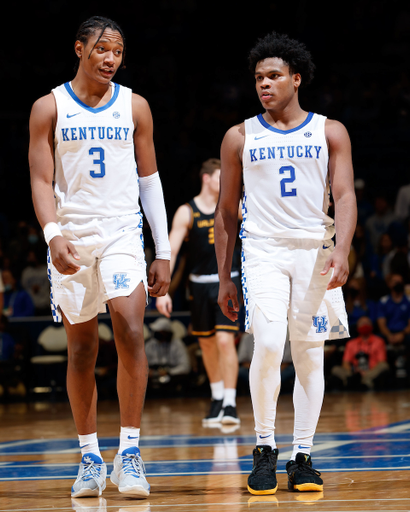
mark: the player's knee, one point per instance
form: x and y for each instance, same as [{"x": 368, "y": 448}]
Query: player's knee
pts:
[
  {"x": 225, "y": 341},
  {"x": 131, "y": 339},
  {"x": 83, "y": 353}
]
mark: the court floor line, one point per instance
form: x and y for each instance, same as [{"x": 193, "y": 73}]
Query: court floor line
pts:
[
  {"x": 213, "y": 441},
  {"x": 207, "y": 505}
]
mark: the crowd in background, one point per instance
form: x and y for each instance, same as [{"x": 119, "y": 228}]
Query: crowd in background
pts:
[{"x": 198, "y": 86}]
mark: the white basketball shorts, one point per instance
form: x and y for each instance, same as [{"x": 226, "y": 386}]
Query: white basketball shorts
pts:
[
  {"x": 112, "y": 265},
  {"x": 282, "y": 277}
]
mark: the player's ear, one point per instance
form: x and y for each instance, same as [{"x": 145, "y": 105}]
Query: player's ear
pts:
[
  {"x": 79, "y": 49},
  {"x": 297, "y": 80}
]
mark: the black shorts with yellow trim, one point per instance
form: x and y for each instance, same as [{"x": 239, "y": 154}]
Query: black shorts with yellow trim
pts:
[{"x": 206, "y": 315}]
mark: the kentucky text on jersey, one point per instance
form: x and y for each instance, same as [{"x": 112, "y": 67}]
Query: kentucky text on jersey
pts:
[
  {"x": 281, "y": 152},
  {"x": 94, "y": 133}
]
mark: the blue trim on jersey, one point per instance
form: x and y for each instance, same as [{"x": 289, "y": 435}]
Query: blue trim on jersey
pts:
[
  {"x": 284, "y": 132},
  {"x": 91, "y": 109}
]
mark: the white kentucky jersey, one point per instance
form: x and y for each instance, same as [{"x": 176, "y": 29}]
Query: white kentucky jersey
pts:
[
  {"x": 95, "y": 167},
  {"x": 286, "y": 184}
]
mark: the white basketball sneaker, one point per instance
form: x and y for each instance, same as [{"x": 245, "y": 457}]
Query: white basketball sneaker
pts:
[
  {"x": 91, "y": 477},
  {"x": 129, "y": 473}
]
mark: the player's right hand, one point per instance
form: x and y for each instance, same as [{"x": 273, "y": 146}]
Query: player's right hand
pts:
[
  {"x": 63, "y": 256},
  {"x": 228, "y": 293},
  {"x": 164, "y": 305}
]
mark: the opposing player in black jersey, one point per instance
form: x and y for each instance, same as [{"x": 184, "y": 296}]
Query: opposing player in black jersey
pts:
[{"x": 194, "y": 223}]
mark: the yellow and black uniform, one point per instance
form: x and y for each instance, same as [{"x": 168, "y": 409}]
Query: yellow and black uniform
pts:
[{"x": 206, "y": 315}]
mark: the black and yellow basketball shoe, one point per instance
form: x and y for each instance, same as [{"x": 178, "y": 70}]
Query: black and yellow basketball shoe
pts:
[
  {"x": 262, "y": 480},
  {"x": 302, "y": 477}
]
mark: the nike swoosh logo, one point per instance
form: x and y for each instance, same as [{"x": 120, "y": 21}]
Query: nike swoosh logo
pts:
[
  {"x": 81, "y": 447},
  {"x": 263, "y": 136},
  {"x": 72, "y": 115},
  {"x": 326, "y": 246},
  {"x": 301, "y": 447},
  {"x": 264, "y": 437},
  {"x": 129, "y": 437}
]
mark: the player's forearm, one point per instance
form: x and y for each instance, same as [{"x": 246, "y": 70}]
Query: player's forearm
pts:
[
  {"x": 225, "y": 236},
  {"x": 345, "y": 221},
  {"x": 43, "y": 202}
]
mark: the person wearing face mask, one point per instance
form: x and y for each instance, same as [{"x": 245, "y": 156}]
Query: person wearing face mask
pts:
[
  {"x": 364, "y": 360},
  {"x": 168, "y": 358},
  {"x": 17, "y": 302},
  {"x": 34, "y": 279},
  {"x": 393, "y": 319}
]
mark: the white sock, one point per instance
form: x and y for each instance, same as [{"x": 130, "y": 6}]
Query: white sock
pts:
[
  {"x": 229, "y": 397},
  {"x": 299, "y": 448},
  {"x": 89, "y": 444},
  {"x": 217, "y": 390},
  {"x": 129, "y": 437},
  {"x": 268, "y": 440}
]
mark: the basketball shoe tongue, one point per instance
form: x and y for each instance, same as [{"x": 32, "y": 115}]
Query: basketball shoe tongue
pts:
[{"x": 87, "y": 458}]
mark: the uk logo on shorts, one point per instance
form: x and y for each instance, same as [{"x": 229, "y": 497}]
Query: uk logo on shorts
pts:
[
  {"x": 120, "y": 280},
  {"x": 320, "y": 322}
]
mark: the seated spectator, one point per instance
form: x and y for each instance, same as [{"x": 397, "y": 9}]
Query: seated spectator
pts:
[
  {"x": 393, "y": 318},
  {"x": 380, "y": 221},
  {"x": 8, "y": 360},
  {"x": 34, "y": 280},
  {"x": 168, "y": 359},
  {"x": 364, "y": 360},
  {"x": 356, "y": 303},
  {"x": 17, "y": 302},
  {"x": 376, "y": 279},
  {"x": 7, "y": 343}
]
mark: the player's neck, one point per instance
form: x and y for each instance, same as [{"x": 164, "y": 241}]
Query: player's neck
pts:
[
  {"x": 286, "y": 119},
  {"x": 91, "y": 92},
  {"x": 206, "y": 202}
]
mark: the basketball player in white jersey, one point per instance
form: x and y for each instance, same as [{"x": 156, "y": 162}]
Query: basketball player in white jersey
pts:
[
  {"x": 91, "y": 158},
  {"x": 285, "y": 161}
]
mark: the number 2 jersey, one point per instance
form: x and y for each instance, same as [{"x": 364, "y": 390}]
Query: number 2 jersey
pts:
[
  {"x": 286, "y": 184},
  {"x": 95, "y": 167}
]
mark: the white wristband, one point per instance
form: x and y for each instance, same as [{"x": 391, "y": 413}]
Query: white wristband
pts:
[{"x": 50, "y": 231}]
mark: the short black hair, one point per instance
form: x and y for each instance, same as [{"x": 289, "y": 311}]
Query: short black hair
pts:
[
  {"x": 89, "y": 27},
  {"x": 291, "y": 51}
]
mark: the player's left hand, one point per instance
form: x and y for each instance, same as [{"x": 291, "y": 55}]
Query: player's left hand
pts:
[
  {"x": 339, "y": 262},
  {"x": 159, "y": 278}
]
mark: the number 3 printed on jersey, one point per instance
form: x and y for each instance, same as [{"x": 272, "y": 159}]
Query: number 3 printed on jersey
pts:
[
  {"x": 287, "y": 192},
  {"x": 98, "y": 161}
]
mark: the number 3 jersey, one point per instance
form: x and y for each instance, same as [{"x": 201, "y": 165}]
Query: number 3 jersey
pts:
[
  {"x": 286, "y": 184},
  {"x": 95, "y": 167}
]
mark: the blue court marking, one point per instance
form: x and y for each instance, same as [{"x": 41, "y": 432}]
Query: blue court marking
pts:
[{"x": 384, "y": 448}]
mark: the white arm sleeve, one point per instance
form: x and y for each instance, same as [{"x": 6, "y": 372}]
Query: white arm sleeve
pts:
[{"x": 152, "y": 200}]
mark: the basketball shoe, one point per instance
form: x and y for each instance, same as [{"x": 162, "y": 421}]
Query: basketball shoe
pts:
[
  {"x": 215, "y": 412},
  {"x": 230, "y": 415},
  {"x": 129, "y": 473},
  {"x": 301, "y": 475},
  {"x": 91, "y": 477},
  {"x": 262, "y": 480}
]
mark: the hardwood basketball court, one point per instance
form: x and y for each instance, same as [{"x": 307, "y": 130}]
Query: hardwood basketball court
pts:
[{"x": 361, "y": 447}]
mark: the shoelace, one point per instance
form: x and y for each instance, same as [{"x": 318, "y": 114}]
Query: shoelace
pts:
[
  {"x": 92, "y": 470},
  {"x": 133, "y": 464},
  {"x": 302, "y": 466},
  {"x": 265, "y": 463}
]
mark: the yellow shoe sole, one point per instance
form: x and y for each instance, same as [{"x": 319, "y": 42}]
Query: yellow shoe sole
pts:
[
  {"x": 262, "y": 493},
  {"x": 308, "y": 487}
]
